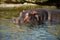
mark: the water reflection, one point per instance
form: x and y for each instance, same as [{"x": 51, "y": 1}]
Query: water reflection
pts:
[{"x": 11, "y": 33}]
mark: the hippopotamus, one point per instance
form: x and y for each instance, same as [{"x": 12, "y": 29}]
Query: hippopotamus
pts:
[{"x": 35, "y": 17}]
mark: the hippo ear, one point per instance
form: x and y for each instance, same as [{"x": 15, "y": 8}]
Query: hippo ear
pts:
[
  {"x": 20, "y": 14},
  {"x": 23, "y": 10}
]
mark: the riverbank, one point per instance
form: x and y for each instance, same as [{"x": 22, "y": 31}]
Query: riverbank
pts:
[
  {"x": 12, "y": 10},
  {"x": 25, "y": 4}
]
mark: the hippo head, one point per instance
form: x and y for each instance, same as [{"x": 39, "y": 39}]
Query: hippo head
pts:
[
  {"x": 34, "y": 17},
  {"x": 29, "y": 16}
]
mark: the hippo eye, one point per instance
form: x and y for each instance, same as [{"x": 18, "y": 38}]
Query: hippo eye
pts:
[{"x": 29, "y": 14}]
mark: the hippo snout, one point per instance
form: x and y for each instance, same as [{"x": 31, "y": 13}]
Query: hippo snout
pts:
[{"x": 16, "y": 20}]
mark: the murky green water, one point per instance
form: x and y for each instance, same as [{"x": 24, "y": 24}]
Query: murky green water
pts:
[{"x": 9, "y": 31}]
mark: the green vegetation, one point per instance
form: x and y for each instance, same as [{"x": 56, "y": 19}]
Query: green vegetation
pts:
[
  {"x": 21, "y": 1},
  {"x": 39, "y": 2},
  {"x": 14, "y": 11}
]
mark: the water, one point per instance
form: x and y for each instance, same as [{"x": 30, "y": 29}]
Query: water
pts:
[{"x": 12, "y": 33}]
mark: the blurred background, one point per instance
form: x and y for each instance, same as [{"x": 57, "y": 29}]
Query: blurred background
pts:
[
  {"x": 10, "y": 9},
  {"x": 39, "y": 2},
  {"x": 15, "y": 6}
]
